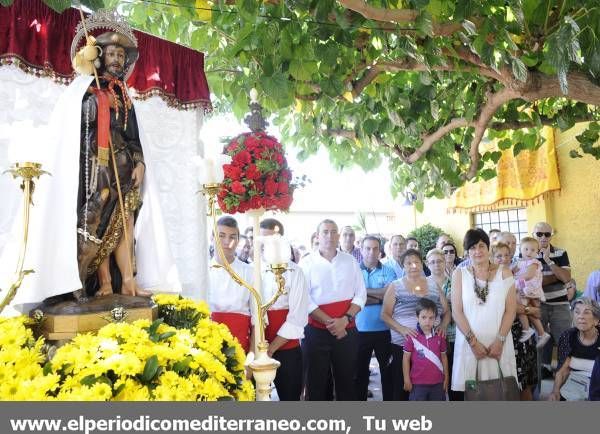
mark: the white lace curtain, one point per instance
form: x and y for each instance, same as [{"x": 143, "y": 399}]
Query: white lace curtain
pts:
[{"x": 174, "y": 138}]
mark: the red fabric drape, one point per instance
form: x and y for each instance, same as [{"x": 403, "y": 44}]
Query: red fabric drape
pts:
[{"x": 41, "y": 38}]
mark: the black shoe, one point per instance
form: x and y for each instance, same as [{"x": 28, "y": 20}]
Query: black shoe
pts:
[{"x": 369, "y": 394}]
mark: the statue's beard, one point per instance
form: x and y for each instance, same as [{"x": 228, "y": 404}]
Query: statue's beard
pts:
[{"x": 117, "y": 73}]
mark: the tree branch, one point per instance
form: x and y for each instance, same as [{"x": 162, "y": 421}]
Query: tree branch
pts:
[
  {"x": 581, "y": 88},
  {"x": 538, "y": 86},
  {"x": 347, "y": 134},
  {"x": 397, "y": 16},
  {"x": 504, "y": 76},
  {"x": 430, "y": 139},
  {"x": 410, "y": 65},
  {"x": 494, "y": 101}
]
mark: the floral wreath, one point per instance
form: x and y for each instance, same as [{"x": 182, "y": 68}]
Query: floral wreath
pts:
[{"x": 258, "y": 175}]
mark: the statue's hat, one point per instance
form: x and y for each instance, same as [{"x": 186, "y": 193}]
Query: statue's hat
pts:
[{"x": 108, "y": 28}]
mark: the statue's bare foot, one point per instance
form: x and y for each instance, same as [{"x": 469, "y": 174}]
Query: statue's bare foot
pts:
[
  {"x": 105, "y": 289},
  {"x": 131, "y": 288}
]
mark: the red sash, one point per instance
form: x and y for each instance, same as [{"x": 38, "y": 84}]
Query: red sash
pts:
[
  {"x": 276, "y": 320},
  {"x": 238, "y": 324},
  {"x": 334, "y": 310},
  {"x": 103, "y": 125}
]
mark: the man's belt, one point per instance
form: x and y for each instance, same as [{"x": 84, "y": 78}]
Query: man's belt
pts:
[
  {"x": 334, "y": 310},
  {"x": 276, "y": 319}
]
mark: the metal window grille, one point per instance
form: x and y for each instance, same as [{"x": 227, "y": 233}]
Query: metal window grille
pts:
[{"x": 512, "y": 220}]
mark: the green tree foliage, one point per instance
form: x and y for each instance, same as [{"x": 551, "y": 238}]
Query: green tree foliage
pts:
[
  {"x": 427, "y": 236},
  {"x": 419, "y": 82}
]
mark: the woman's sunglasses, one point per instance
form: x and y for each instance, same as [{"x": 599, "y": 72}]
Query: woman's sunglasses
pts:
[{"x": 448, "y": 252}]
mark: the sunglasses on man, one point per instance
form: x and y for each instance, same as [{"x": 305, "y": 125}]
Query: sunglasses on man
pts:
[{"x": 543, "y": 234}]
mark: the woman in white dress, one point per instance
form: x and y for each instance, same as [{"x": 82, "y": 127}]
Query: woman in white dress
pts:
[{"x": 483, "y": 308}]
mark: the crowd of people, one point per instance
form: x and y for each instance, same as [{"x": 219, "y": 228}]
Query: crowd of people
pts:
[{"x": 434, "y": 321}]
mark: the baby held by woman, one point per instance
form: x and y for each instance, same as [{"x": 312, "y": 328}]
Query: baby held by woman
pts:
[{"x": 528, "y": 283}]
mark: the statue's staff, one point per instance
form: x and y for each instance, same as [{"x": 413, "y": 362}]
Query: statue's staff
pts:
[{"x": 112, "y": 152}]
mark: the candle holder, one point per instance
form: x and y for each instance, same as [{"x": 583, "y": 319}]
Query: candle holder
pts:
[
  {"x": 28, "y": 172},
  {"x": 210, "y": 192},
  {"x": 264, "y": 368}
]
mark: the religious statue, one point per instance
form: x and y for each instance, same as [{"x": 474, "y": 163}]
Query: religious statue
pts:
[
  {"x": 109, "y": 191},
  {"x": 88, "y": 217}
]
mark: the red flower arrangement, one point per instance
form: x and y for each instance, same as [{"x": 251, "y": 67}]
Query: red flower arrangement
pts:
[{"x": 258, "y": 176}]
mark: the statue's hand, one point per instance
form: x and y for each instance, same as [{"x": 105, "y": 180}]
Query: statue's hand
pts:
[{"x": 137, "y": 176}]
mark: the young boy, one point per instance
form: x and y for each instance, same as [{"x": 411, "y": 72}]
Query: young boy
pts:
[{"x": 425, "y": 363}]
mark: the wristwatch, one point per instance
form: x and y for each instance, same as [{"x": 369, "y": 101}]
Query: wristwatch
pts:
[
  {"x": 501, "y": 338},
  {"x": 550, "y": 263},
  {"x": 349, "y": 316}
]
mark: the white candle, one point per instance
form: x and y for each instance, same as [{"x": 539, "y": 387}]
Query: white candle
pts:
[
  {"x": 208, "y": 167},
  {"x": 221, "y": 160},
  {"x": 211, "y": 168},
  {"x": 253, "y": 95},
  {"x": 25, "y": 143},
  {"x": 277, "y": 249}
]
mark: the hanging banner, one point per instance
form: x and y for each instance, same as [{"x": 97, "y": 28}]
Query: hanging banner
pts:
[{"x": 521, "y": 180}]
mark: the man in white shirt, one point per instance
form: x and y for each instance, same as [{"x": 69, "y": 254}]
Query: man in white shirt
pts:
[
  {"x": 287, "y": 318},
  {"x": 336, "y": 294},
  {"x": 229, "y": 302}
]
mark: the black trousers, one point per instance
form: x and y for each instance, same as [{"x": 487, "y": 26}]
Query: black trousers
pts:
[
  {"x": 399, "y": 394},
  {"x": 288, "y": 380},
  {"x": 367, "y": 343},
  {"x": 324, "y": 354}
]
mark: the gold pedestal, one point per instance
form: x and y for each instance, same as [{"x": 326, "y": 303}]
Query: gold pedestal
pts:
[
  {"x": 58, "y": 327},
  {"x": 66, "y": 319}
]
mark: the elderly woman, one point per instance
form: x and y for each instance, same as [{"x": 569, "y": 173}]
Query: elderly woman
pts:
[
  {"x": 450, "y": 257},
  {"x": 399, "y": 312},
  {"x": 578, "y": 348},
  {"x": 483, "y": 307}
]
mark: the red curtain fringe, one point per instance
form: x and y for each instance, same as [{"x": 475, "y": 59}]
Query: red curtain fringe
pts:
[{"x": 38, "y": 40}]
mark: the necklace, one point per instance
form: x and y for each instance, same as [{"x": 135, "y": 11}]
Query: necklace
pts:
[
  {"x": 480, "y": 292},
  {"x": 416, "y": 289}
]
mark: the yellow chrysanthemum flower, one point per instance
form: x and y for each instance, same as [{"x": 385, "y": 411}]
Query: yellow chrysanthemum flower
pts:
[{"x": 123, "y": 361}]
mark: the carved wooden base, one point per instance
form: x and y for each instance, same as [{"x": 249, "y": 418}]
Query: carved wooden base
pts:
[{"x": 66, "y": 319}]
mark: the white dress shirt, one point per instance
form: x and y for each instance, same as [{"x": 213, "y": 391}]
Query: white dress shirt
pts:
[
  {"x": 295, "y": 299},
  {"x": 225, "y": 295},
  {"x": 330, "y": 282}
]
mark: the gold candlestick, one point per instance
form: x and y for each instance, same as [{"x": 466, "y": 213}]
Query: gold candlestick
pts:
[
  {"x": 264, "y": 368},
  {"x": 28, "y": 172}
]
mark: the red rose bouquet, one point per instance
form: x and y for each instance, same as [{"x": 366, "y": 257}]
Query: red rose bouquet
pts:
[{"x": 258, "y": 176}]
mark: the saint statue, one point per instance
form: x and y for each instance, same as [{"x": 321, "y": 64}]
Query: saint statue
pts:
[
  {"x": 108, "y": 199},
  {"x": 101, "y": 203}
]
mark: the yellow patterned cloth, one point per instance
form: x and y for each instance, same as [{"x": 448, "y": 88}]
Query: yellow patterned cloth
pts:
[{"x": 520, "y": 181}]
